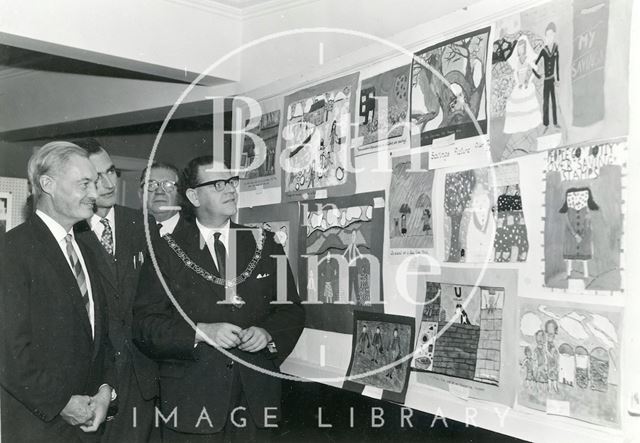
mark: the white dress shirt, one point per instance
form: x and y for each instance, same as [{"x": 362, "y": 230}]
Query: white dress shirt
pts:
[
  {"x": 60, "y": 235},
  {"x": 206, "y": 237},
  {"x": 98, "y": 228},
  {"x": 169, "y": 224}
]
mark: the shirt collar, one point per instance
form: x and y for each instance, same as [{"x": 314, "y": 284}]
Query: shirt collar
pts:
[
  {"x": 56, "y": 228},
  {"x": 171, "y": 222},
  {"x": 207, "y": 233},
  {"x": 95, "y": 219}
]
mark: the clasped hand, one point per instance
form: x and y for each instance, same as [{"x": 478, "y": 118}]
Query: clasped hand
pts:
[
  {"x": 87, "y": 412},
  {"x": 228, "y": 336}
]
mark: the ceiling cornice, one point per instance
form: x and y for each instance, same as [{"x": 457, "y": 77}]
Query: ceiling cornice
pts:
[{"x": 241, "y": 9}]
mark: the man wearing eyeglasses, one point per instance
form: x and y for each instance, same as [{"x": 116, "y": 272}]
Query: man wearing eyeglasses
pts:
[
  {"x": 162, "y": 196},
  {"x": 117, "y": 237},
  {"x": 225, "y": 279}
]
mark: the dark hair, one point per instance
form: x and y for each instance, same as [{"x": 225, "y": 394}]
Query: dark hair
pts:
[
  {"x": 160, "y": 165},
  {"x": 590, "y": 202},
  {"x": 551, "y": 26},
  {"x": 189, "y": 180},
  {"x": 91, "y": 145},
  {"x": 190, "y": 173},
  {"x": 551, "y": 323}
]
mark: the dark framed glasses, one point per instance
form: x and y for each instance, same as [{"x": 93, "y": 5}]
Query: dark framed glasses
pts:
[
  {"x": 220, "y": 185},
  {"x": 166, "y": 185}
]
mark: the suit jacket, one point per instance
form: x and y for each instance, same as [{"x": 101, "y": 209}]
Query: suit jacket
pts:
[
  {"x": 195, "y": 377},
  {"x": 120, "y": 274},
  {"x": 47, "y": 350}
]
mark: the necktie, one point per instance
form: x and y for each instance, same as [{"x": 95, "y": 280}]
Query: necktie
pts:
[
  {"x": 107, "y": 236},
  {"x": 78, "y": 273},
  {"x": 221, "y": 254}
]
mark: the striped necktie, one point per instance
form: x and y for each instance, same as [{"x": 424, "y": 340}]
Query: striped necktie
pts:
[
  {"x": 78, "y": 273},
  {"x": 107, "y": 236}
]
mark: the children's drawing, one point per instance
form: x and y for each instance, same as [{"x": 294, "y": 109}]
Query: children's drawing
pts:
[
  {"x": 380, "y": 349},
  {"x": 341, "y": 265},
  {"x": 267, "y": 130},
  {"x": 583, "y": 222},
  {"x": 461, "y": 331},
  {"x": 554, "y": 78},
  {"x": 450, "y": 98},
  {"x": 280, "y": 231},
  {"x": 569, "y": 361},
  {"x": 317, "y": 136},
  {"x": 484, "y": 220},
  {"x": 384, "y": 105},
  {"x": 410, "y": 204},
  {"x": 282, "y": 220}
]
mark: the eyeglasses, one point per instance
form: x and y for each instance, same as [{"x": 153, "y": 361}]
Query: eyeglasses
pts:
[
  {"x": 220, "y": 185},
  {"x": 166, "y": 185}
]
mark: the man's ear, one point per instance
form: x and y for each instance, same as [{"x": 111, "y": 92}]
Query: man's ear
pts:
[
  {"x": 47, "y": 184},
  {"x": 192, "y": 195}
]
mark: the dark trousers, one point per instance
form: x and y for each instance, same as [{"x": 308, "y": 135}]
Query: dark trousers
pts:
[
  {"x": 231, "y": 433},
  {"x": 127, "y": 426},
  {"x": 549, "y": 93}
]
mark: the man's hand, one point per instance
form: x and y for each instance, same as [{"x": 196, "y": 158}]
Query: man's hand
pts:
[
  {"x": 254, "y": 339},
  {"x": 78, "y": 410},
  {"x": 225, "y": 335},
  {"x": 99, "y": 404}
]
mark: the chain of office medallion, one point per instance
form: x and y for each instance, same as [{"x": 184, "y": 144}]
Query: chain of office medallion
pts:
[{"x": 212, "y": 278}]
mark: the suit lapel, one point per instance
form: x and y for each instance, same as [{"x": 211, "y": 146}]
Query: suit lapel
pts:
[
  {"x": 107, "y": 265},
  {"x": 97, "y": 293},
  {"x": 243, "y": 248},
  {"x": 51, "y": 251},
  {"x": 124, "y": 254}
]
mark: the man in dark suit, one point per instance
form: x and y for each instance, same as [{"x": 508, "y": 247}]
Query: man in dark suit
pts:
[
  {"x": 56, "y": 360},
  {"x": 219, "y": 376},
  {"x": 162, "y": 196},
  {"x": 117, "y": 237}
]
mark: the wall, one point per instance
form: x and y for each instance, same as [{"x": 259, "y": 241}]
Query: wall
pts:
[{"x": 300, "y": 53}]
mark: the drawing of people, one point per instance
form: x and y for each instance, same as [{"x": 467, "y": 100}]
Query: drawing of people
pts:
[
  {"x": 396, "y": 227},
  {"x": 395, "y": 354},
  {"x": 553, "y": 356},
  {"x": 363, "y": 286},
  {"x": 577, "y": 208},
  {"x": 403, "y": 225},
  {"x": 481, "y": 226},
  {"x": 510, "y": 231},
  {"x": 522, "y": 112},
  {"x": 540, "y": 359},
  {"x": 364, "y": 340},
  {"x": 551, "y": 57},
  {"x": 334, "y": 138},
  {"x": 462, "y": 315},
  {"x": 426, "y": 221},
  {"x": 376, "y": 342},
  {"x": 527, "y": 364}
]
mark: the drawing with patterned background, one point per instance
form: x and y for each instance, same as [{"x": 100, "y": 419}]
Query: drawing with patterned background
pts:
[{"x": 484, "y": 216}]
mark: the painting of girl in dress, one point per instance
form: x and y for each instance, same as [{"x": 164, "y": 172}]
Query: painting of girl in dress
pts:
[
  {"x": 583, "y": 219},
  {"x": 522, "y": 111},
  {"x": 577, "y": 209}
]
